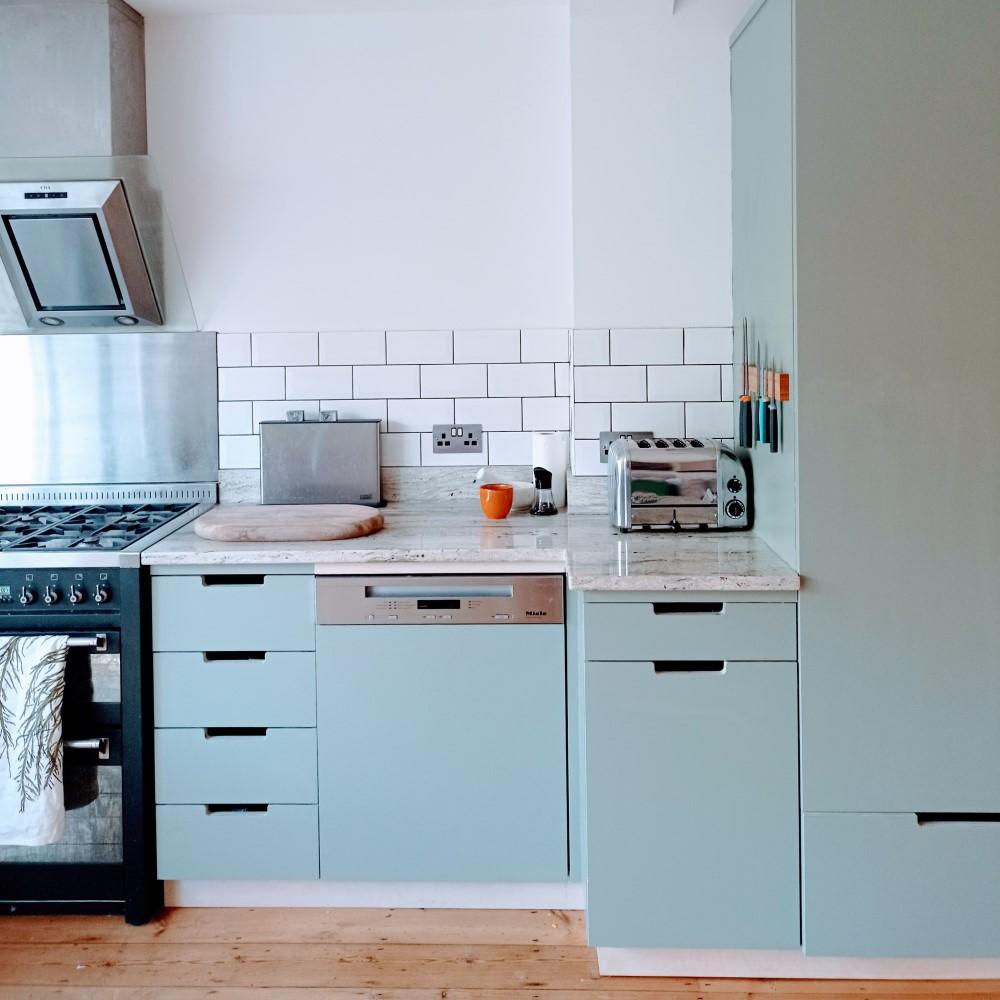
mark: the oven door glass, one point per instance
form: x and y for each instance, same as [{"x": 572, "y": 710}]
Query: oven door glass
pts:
[{"x": 92, "y": 787}]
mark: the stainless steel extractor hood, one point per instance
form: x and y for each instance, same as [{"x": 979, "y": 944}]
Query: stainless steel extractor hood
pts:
[{"x": 73, "y": 256}]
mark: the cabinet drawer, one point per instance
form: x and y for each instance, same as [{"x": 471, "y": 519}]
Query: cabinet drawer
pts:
[
  {"x": 668, "y": 630},
  {"x": 884, "y": 884},
  {"x": 253, "y": 689},
  {"x": 250, "y": 611},
  {"x": 197, "y": 842},
  {"x": 692, "y": 806},
  {"x": 274, "y": 766}
]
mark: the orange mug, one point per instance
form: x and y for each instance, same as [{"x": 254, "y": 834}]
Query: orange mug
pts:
[{"x": 496, "y": 499}]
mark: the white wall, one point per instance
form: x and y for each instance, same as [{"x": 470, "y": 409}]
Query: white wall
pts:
[
  {"x": 399, "y": 168},
  {"x": 651, "y": 161}
]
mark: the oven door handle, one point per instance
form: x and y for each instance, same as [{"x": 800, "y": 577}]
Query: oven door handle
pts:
[
  {"x": 98, "y": 643},
  {"x": 101, "y": 744}
]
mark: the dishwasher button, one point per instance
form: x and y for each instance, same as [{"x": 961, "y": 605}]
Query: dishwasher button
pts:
[
  {"x": 446, "y": 618},
  {"x": 430, "y": 618},
  {"x": 393, "y": 618},
  {"x": 371, "y": 618},
  {"x": 501, "y": 618}
]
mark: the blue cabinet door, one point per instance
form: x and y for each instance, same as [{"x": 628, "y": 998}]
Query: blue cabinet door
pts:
[
  {"x": 442, "y": 752},
  {"x": 692, "y": 805}
]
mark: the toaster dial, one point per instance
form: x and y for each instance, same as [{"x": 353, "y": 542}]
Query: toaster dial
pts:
[
  {"x": 734, "y": 485},
  {"x": 735, "y": 508}
]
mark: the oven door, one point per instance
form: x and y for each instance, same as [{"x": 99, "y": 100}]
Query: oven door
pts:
[{"x": 86, "y": 864}]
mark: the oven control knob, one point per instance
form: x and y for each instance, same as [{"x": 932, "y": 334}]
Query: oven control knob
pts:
[
  {"x": 735, "y": 509},
  {"x": 28, "y": 595},
  {"x": 77, "y": 595},
  {"x": 52, "y": 595},
  {"x": 102, "y": 593}
]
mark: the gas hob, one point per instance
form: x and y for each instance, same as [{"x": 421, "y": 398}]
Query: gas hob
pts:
[{"x": 106, "y": 534}]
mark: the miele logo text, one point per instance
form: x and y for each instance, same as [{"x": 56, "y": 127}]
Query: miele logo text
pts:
[{"x": 536, "y": 614}]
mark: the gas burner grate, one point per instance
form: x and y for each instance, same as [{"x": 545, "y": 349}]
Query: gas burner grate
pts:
[{"x": 107, "y": 527}]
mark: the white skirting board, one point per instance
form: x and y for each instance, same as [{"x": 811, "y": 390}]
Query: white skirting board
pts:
[
  {"x": 718, "y": 964},
  {"x": 382, "y": 895}
]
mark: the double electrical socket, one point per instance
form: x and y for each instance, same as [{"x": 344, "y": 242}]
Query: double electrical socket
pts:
[
  {"x": 451, "y": 438},
  {"x": 609, "y": 437}
]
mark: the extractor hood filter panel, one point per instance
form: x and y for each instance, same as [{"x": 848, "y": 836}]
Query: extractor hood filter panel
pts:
[{"x": 73, "y": 255}]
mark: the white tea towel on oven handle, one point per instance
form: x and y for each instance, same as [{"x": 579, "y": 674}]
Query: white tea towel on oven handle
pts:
[{"x": 32, "y": 678}]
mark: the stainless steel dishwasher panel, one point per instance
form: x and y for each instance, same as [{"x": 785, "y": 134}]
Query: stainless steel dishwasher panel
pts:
[{"x": 440, "y": 600}]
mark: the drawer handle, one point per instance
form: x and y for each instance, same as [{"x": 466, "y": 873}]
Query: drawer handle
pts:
[
  {"x": 688, "y": 608},
  {"x": 926, "y": 819},
  {"x": 689, "y": 666},
  {"x": 232, "y": 655},
  {"x": 214, "y": 732},
  {"x": 233, "y": 580},
  {"x": 244, "y": 807}
]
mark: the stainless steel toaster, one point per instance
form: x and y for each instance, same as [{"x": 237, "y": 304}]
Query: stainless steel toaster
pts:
[
  {"x": 679, "y": 483},
  {"x": 320, "y": 461}
]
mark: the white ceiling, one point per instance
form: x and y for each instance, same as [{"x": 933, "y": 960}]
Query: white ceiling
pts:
[{"x": 155, "y": 8}]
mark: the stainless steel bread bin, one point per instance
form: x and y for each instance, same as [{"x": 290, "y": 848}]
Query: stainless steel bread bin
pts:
[{"x": 326, "y": 461}]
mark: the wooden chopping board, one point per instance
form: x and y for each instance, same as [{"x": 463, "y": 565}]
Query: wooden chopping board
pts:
[{"x": 288, "y": 522}]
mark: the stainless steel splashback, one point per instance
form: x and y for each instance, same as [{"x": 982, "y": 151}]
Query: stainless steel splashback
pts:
[{"x": 95, "y": 408}]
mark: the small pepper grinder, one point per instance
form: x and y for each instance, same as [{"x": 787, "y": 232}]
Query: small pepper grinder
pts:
[{"x": 545, "y": 503}]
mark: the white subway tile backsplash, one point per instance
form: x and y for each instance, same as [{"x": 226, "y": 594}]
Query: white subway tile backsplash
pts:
[
  {"x": 400, "y": 449},
  {"x": 611, "y": 383},
  {"x": 387, "y": 382},
  {"x": 496, "y": 414},
  {"x": 709, "y": 419},
  {"x": 251, "y": 383},
  {"x": 277, "y": 409},
  {"x": 460, "y": 457},
  {"x": 363, "y": 347},
  {"x": 452, "y": 380},
  {"x": 233, "y": 350},
  {"x": 513, "y": 382},
  {"x": 591, "y": 347},
  {"x": 419, "y": 414},
  {"x": 708, "y": 346},
  {"x": 485, "y": 346},
  {"x": 319, "y": 380},
  {"x": 564, "y": 380},
  {"x": 647, "y": 347},
  {"x": 591, "y": 419},
  {"x": 587, "y": 458},
  {"x": 284, "y": 349},
  {"x": 546, "y": 413},
  {"x": 236, "y": 418},
  {"x": 521, "y": 380},
  {"x": 239, "y": 451},
  {"x": 545, "y": 345},
  {"x": 510, "y": 448},
  {"x": 357, "y": 409},
  {"x": 418, "y": 347},
  {"x": 664, "y": 419},
  {"x": 685, "y": 382}
]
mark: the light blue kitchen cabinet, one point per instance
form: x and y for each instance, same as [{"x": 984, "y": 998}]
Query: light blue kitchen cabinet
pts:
[
  {"x": 899, "y": 884},
  {"x": 442, "y": 752},
  {"x": 252, "y": 610},
  {"x": 247, "y": 842},
  {"x": 692, "y": 804},
  {"x": 235, "y": 766},
  {"x": 234, "y": 700},
  {"x": 234, "y": 689}
]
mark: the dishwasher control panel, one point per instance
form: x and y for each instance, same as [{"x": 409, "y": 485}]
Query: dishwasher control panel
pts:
[{"x": 440, "y": 600}]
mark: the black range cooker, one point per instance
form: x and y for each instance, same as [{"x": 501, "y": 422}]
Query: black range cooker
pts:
[{"x": 74, "y": 570}]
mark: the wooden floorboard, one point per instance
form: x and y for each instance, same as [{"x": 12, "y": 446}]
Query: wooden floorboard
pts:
[{"x": 237, "y": 954}]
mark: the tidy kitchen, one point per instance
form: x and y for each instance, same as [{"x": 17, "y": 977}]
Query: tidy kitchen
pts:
[{"x": 499, "y": 495}]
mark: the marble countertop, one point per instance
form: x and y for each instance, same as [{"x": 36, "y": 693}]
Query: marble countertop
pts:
[{"x": 457, "y": 538}]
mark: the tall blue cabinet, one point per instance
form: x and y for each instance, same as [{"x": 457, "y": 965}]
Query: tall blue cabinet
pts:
[{"x": 866, "y": 139}]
